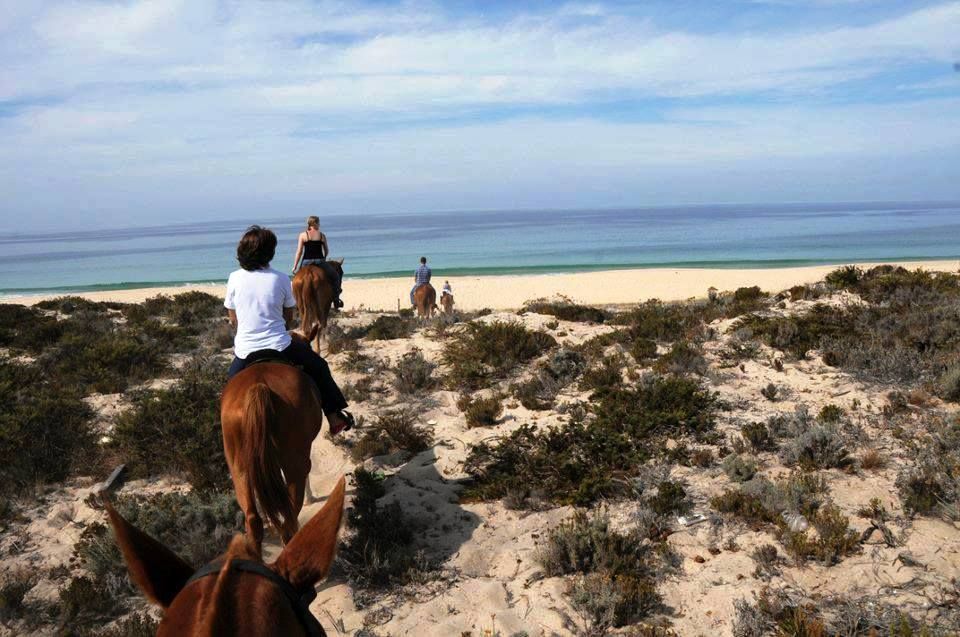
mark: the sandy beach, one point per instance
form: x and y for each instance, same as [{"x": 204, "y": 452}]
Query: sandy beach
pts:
[{"x": 609, "y": 287}]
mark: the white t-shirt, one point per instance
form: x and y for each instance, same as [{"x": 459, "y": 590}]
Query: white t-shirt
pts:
[{"x": 258, "y": 297}]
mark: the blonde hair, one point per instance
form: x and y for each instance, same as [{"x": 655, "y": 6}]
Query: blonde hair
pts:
[{"x": 313, "y": 221}]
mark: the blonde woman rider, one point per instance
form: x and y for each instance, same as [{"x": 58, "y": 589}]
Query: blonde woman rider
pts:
[{"x": 312, "y": 249}]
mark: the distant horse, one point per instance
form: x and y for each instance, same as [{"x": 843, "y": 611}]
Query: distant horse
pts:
[
  {"x": 446, "y": 300},
  {"x": 425, "y": 299},
  {"x": 270, "y": 414},
  {"x": 313, "y": 291},
  {"x": 237, "y": 594}
]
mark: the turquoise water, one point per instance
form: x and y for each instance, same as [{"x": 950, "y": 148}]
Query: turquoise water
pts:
[{"x": 495, "y": 242}]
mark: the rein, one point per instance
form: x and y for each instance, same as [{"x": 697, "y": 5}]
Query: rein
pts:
[{"x": 300, "y": 603}]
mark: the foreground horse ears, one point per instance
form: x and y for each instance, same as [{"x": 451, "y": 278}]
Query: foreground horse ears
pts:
[
  {"x": 308, "y": 556},
  {"x": 155, "y": 569}
]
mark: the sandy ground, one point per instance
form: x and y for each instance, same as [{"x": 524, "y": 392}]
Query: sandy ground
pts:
[{"x": 609, "y": 287}]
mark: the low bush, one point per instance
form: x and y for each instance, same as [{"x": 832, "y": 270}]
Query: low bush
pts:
[
  {"x": 833, "y": 540},
  {"x": 671, "y": 498},
  {"x": 71, "y": 304},
  {"x": 413, "y": 373},
  {"x": 480, "y": 411},
  {"x": 643, "y": 350},
  {"x": 845, "y": 277},
  {"x": 485, "y": 351},
  {"x": 617, "y": 572},
  {"x": 767, "y": 560},
  {"x": 948, "y": 385},
  {"x": 14, "y": 585},
  {"x": 658, "y": 321},
  {"x": 107, "y": 362},
  {"x": 820, "y": 447},
  {"x": 550, "y": 377},
  {"x": 177, "y": 430},
  {"x": 799, "y": 333},
  {"x": 758, "y": 437},
  {"x": 683, "y": 358},
  {"x": 392, "y": 431},
  {"x": 931, "y": 484},
  {"x": 761, "y": 502},
  {"x": 380, "y": 551},
  {"x": 606, "y": 375},
  {"x": 45, "y": 428},
  {"x": 830, "y": 414},
  {"x": 872, "y": 460},
  {"x": 191, "y": 311},
  {"x": 770, "y": 392},
  {"x": 581, "y": 461},
  {"x": 384, "y": 328},
  {"x": 566, "y": 310},
  {"x": 739, "y": 468},
  {"x": 27, "y": 329}
]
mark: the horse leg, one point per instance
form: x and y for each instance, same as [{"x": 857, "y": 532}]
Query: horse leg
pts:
[
  {"x": 248, "y": 504},
  {"x": 297, "y": 485}
]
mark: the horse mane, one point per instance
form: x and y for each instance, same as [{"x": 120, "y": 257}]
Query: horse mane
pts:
[{"x": 220, "y": 606}]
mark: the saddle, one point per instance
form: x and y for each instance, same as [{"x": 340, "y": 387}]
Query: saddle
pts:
[{"x": 267, "y": 356}]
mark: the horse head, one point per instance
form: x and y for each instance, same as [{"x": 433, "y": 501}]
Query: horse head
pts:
[
  {"x": 307, "y": 337},
  {"x": 237, "y": 594},
  {"x": 337, "y": 265}
]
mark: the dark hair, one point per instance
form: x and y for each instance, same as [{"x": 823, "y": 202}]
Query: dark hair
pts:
[
  {"x": 256, "y": 248},
  {"x": 423, "y": 259}
]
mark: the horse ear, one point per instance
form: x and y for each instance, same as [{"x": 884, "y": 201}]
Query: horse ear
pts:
[
  {"x": 308, "y": 556},
  {"x": 155, "y": 569},
  {"x": 339, "y": 260}
]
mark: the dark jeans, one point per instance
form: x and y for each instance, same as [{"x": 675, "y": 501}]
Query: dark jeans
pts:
[{"x": 313, "y": 366}]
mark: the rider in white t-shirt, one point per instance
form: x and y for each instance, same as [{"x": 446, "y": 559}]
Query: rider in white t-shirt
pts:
[{"x": 260, "y": 303}]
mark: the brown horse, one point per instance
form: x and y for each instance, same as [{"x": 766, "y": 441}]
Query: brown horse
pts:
[
  {"x": 425, "y": 299},
  {"x": 313, "y": 292},
  {"x": 446, "y": 300},
  {"x": 237, "y": 594},
  {"x": 270, "y": 413}
]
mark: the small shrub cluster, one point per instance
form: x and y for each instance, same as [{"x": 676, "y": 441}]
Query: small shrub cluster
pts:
[
  {"x": 540, "y": 391},
  {"x": 45, "y": 429},
  {"x": 482, "y": 352},
  {"x": 833, "y": 540},
  {"x": 385, "y": 327},
  {"x": 739, "y": 468},
  {"x": 683, "y": 358},
  {"x": 480, "y": 411},
  {"x": 583, "y": 460},
  {"x": 177, "y": 430},
  {"x": 566, "y": 310},
  {"x": 413, "y": 373},
  {"x": 392, "y": 431},
  {"x": 380, "y": 551},
  {"x": 616, "y": 572},
  {"x": 931, "y": 484},
  {"x": 604, "y": 375},
  {"x": 758, "y": 437},
  {"x": 820, "y": 447}
]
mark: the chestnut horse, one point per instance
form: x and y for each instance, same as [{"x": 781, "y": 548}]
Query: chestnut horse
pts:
[
  {"x": 237, "y": 594},
  {"x": 270, "y": 413},
  {"x": 425, "y": 299},
  {"x": 313, "y": 292},
  {"x": 446, "y": 300}
]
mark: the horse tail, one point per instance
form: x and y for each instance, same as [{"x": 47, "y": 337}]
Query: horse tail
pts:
[{"x": 260, "y": 457}]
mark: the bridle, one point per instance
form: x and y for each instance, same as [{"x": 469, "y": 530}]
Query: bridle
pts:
[{"x": 299, "y": 602}]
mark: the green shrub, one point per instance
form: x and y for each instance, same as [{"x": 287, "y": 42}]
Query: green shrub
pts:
[
  {"x": 799, "y": 333},
  {"x": 668, "y": 405},
  {"x": 105, "y": 363},
  {"x": 26, "y": 329},
  {"x": 658, "y": 321},
  {"x": 385, "y": 327},
  {"x": 845, "y": 277},
  {"x": 830, "y": 414},
  {"x": 71, "y": 304},
  {"x": 380, "y": 551},
  {"x": 580, "y": 462},
  {"x": 618, "y": 571},
  {"x": 820, "y": 447},
  {"x": 479, "y": 411},
  {"x": 949, "y": 384},
  {"x": 191, "y": 311},
  {"x": 14, "y": 586},
  {"x": 739, "y": 468},
  {"x": 760, "y": 502},
  {"x": 683, "y": 358},
  {"x": 177, "y": 430},
  {"x": 643, "y": 349},
  {"x": 485, "y": 351},
  {"x": 605, "y": 376},
  {"x": 671, "y": 498},
  {"x": 758, "y": 437},
  {"x": 834, "y": 539},
  {"x": 413, "y": 373},
  {"x": 931, "y": 485},
  {"x": 566, "y": 310},
  {"x": 45, "y": 428},
  {"x": 392, "y": 431}
]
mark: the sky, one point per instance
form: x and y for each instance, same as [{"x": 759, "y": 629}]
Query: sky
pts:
[{"x": 124, "y": 113}]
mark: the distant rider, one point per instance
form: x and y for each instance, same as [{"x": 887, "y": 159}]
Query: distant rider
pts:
[
  {"x": 260, "y": 304},
  {"x": 446, "y": 289},
  {"x": 312, "y": 249},
  {"x": 420, "y": 277}
]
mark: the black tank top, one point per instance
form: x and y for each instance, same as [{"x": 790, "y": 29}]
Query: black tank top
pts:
[{"x": 313, "y": 249}]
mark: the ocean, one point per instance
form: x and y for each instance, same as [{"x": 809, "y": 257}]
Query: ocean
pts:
[{"x": 494, "y": 242}]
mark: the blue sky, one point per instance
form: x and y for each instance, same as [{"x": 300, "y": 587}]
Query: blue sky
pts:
[{"x": 127, "y": 113}]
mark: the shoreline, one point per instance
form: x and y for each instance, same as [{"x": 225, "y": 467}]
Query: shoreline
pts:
[{"x": 510, "y": 291}]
